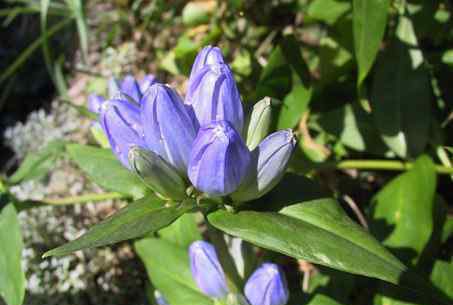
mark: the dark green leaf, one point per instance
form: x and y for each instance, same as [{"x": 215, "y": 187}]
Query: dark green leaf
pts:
[
  {"x": 447, "y": 230},
  {"x": 168, "y": 267},
  {"x": 12, "y": 279},
  {"x": 401, "y": 97},
  {"x": 135, "y": 220},
  {"x": 318, "y": 231},
  {"x": 104, "y": 169},
  {"x": 369, "y": 22},
  {"x": 403, "y": 210},
  {"x": 294, "y": 105},
  {"x": 275, "y": 79},
  {"x": 37, "y": 164}
]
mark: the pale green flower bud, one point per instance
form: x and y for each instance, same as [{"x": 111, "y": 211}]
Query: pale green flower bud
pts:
[
  {"x": 260, "y": 122},
  {"x": 156, "y": 173}
]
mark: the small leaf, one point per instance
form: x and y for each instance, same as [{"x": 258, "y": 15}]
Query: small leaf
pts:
[
  {"x": 37, "y": 164},
  {"x": 402, "y": 94},
  {"x": 294, "y": 105},
  {"x": 12, "y": 278},
  {"x": 328, "y": 11},
  {"x": 167, "y": 265},
  {"x": 135, "y": 220},
  {"x": 318, "y": 231},
  {"x": 447, "y": 57},
  {"x": 403, "y": 210},
  {"x": 441, "y": 277},
  {"x": 369, "y": 21},
  {"x": 104, "y": 169}
]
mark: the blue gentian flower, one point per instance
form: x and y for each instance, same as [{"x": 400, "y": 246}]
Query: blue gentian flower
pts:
[
  {"x": 198, "y": 139},
  {"x": 206, "y": 269},
  {"x": 267, "y": 286}
]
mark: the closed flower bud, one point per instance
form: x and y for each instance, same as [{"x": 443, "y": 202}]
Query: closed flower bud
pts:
[
  {"x": 95, "y": 103},
  {"x": 168, "y": 127},
  {"x": 157, "y": 173},
  {"x": 120, "y": 121},
  {"x": 130, "y": 87},
  {"x": 209, "y": 55},
  {"x": 260, "y": 122},
  {"x": 206, "y": 270},
  {"x": 219, "y": 159},
  {"x": 267, "y": 286},
  {"x": 146, "y": 83},
  {"x": 213, "y": 94},
  {"x": 268, "y": 165}
]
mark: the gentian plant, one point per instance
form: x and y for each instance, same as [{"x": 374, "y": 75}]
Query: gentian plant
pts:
[{"x": 202, "y": 165}]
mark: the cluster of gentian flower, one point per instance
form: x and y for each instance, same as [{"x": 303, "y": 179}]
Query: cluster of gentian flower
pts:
[
  {"x": 266, "y": 286},
  {"x": 171, "y": 143}
]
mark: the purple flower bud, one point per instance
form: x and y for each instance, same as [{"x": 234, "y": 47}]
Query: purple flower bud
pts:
[
  {"x": 169, "y": 129},
  {"x": 219, "y": 159},
  {"x": 206, "y": 269},
  {"x": 209, "y": 55},
  {"x": 267, "y": 286},
  {"x": 269, "y": 162},
  {"x": 213, "y": 94},
  {"x": 130, "y": 87},
  {"x": 120, "y": 121},
  {"x": 95, "y": 103},
  {"x": 146, "y": 83}
]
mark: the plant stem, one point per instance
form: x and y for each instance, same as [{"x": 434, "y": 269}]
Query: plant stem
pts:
[
  {"x": 391, "y": 165},
  {"x": 83, "y": 198}
]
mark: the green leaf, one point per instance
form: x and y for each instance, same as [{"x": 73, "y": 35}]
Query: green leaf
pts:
[
  {"x": 328, "y": 11},
  {"x": 195, "y": 13},
  {"x": 137, "y": 219},
  {"x": 12, "y": 279},
  {"x": 37, "y": 164},
  {"x": 369, "y": 21},
  {"x": 447, "y": 57},
  {"x": 447, "y": 230},
  {"x": 294, "y": 105},
  {"x": 104, "y": 169},
  {"x": 167, "y": 265},
  {"x": 401, "y": 97},
  {"x": 441, "y": 277},
  {"x": 318, "y": 231},
  {"x": 275, "y": 78},
  {"x": 403, "y": 210},
  {"x": 183, "y": 231}
]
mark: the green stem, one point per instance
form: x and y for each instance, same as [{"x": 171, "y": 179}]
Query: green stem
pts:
[
  {"x": 83, "y": 198},
  {"x": 391, "y": 165}
]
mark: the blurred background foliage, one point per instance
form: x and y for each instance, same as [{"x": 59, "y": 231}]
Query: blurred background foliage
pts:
[{"x": 366, "y": 84}]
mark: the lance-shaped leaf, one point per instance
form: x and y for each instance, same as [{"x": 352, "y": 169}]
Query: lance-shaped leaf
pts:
[
  {"x": 12, "y": 279},
  {"x": 135, "y": 220},
  {"x": 105, "y": 170},
  {"x": 315, "y": 230}
]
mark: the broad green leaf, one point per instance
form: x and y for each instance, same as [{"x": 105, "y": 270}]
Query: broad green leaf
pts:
[
  {"x": 37, "y": 164},
  {"x": 442, "y": 276},
  {"x": 183, "y": 231},
  {"x": 294, "y": 105},
  {"x": 105, "y": 170},
  {"x": 402, "y": 94},
  {"x": 12, "y": 278},
  {"x": 137, "y": 219},
  {"x": 317, "y": 231},
  {"x": 167, "y": 265},
  {"x": 321, "y": 299},
  {"x": 403, "y": 210},
  {"x": 275, "y": 78},
  {"x": 369, "y": 22},
  {"x": 328, "y": 11}
]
